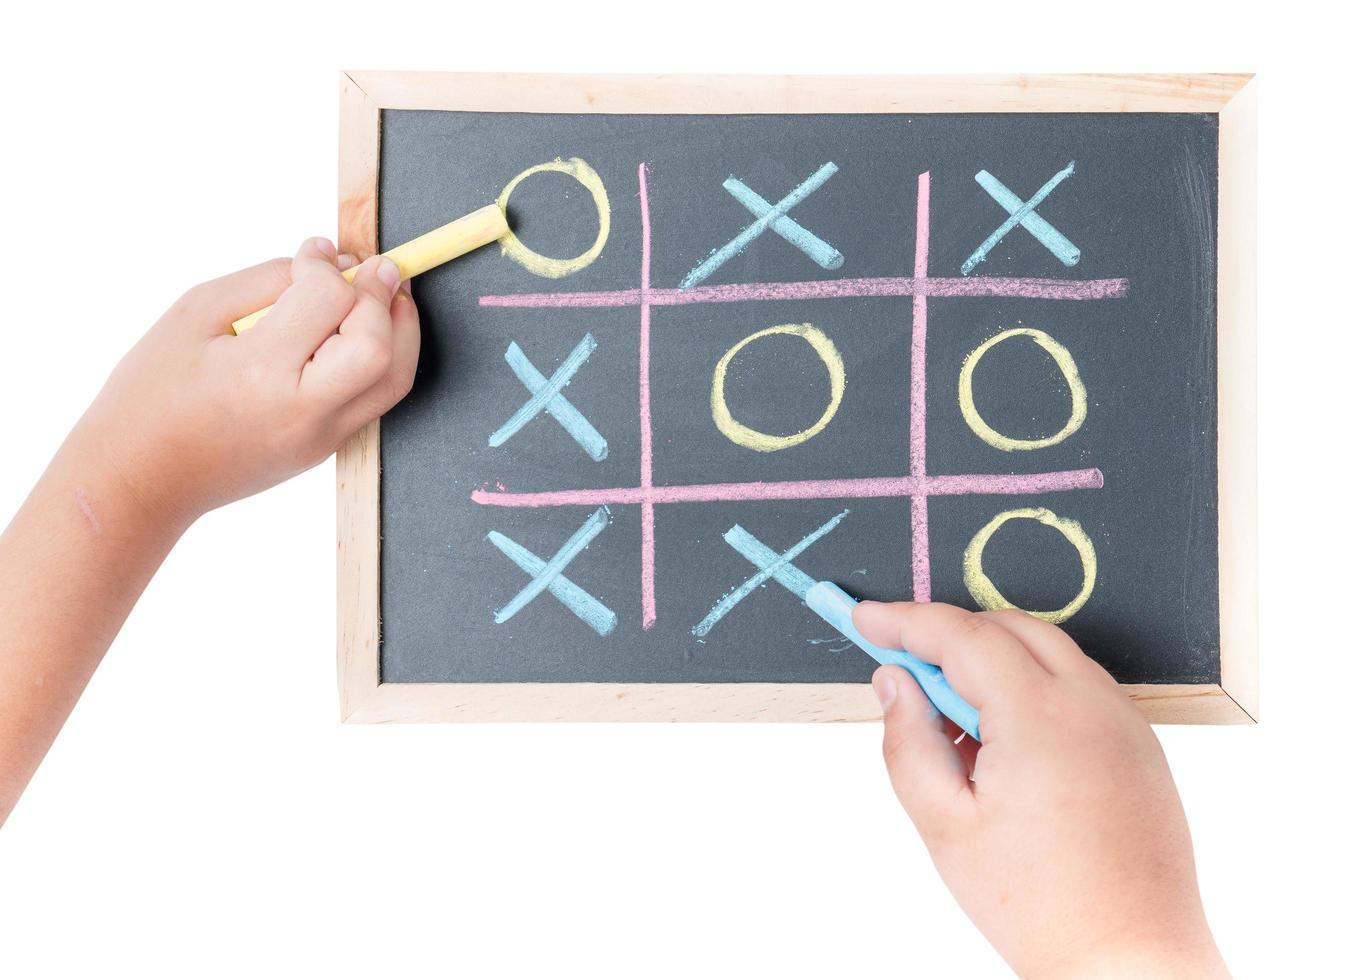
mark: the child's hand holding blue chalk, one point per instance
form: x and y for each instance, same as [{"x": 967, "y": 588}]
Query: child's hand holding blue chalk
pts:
[{"x": 1061, "y": 835}]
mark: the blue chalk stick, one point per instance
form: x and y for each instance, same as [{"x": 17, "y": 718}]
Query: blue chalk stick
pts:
[{"x": 836, "y": 607}]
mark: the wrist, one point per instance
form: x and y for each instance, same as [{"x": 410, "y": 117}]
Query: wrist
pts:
[{"x": 119, "y": 488}]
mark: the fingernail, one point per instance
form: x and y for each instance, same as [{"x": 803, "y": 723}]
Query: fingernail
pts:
[
  {"x": 346, "y": 260},
  {"x": 886, "y": 688},
  {"x": 325, "y": 246},
  {"x": 388, "y": 273}
]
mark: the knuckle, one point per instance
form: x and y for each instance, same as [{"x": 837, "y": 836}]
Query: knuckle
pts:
[
  {"x": 279, "y": 269},
  {"x": 371, "y": 355},
  {"x": 972, "y": 628},
  {"x": 256, "y": 377},
  {"x": 330, "y": 295},
  {"x": 193, "y": 299},
  {"x": 336, "y": 292},
  {"x": 1009, "y": 615}
]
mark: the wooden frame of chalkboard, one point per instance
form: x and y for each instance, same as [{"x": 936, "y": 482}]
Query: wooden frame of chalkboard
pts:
[{"x": 364, "y": 95}]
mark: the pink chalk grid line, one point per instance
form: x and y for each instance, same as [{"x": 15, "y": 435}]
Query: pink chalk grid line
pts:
[{"x": 917, "y": 486}]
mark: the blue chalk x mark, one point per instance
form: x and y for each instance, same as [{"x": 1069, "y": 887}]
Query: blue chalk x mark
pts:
[
  {"x": 832, "y": 604},
  {"x": 1023, "y": 213},
  {"x": 546, "y": 397},
  {"x": 771, "y": 565},
  {"x": 814, "y": 247},
  {"x": 547, "y": 575},
  {"x": 771, "y": 216}
]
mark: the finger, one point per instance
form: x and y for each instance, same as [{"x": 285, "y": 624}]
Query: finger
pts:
[
  {"x": 982, "y": 661},
  {"x": 927, "y": 772},
  {"x": 346, "y": 261},
  {"x": 211, "y": 307},
  {"x": 314, "y": 255},
  {"x": 360, "y": 353},
  {"x": 1052, "y": 648},
  {"x": 313, "y": 306},
  {"x": 398, "y": 381},
  {"x": 407, "y": 341},
  {"x": 377, "y": 280}
]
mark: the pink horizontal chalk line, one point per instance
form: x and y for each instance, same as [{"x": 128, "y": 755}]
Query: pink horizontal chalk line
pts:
[
  {"x": 826, "y": 289},
  {"x": 890, "y": 486}
]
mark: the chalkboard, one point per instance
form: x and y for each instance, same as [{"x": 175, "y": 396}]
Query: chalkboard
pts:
[{"x": 968, "y": 357}]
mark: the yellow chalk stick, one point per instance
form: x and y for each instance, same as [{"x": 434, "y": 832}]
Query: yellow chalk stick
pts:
[{"x": 428, "y": 251}]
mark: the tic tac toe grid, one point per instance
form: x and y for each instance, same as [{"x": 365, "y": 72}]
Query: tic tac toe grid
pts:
[{"x": 916, "y": 486}]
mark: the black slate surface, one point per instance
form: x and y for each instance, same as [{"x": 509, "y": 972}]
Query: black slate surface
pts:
[{"x": 1140, "y": 205}]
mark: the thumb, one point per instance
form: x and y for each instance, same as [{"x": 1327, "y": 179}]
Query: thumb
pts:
[
  {"x": 377, "y": 281},
  {"x": 928, "y": 773}
]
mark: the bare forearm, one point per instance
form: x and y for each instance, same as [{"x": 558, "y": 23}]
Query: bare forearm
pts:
[
  {"x": 191, "y": 419},
  {"x": 72, "y": 564}
]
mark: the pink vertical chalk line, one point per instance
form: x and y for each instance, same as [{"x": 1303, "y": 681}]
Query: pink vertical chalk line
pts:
[
  {"x": 647, "y": 439},
  {"x": 920, "y": 506}
]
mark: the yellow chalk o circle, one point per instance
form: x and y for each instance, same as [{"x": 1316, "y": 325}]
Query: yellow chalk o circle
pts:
[
  {"x": 544, "y": 265},
  {"x": 988, "y": 596},
  {"x": 1067, "y": 367},
  {"x": 763, "y": 442}
]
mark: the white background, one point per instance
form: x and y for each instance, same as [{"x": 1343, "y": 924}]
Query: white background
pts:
[{"x": 204, "y": 813}]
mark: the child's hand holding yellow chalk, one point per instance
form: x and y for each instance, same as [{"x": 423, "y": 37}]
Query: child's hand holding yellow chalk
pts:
[
  {"x": 428, "y": 251},
  {"x": 194, "y": 417}
]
